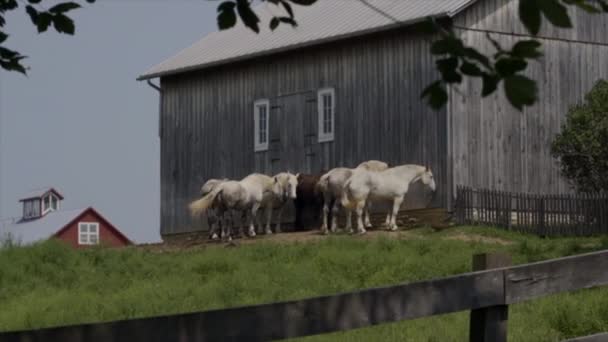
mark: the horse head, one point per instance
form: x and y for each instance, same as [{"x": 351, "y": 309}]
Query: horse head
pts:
[
  {"x": 285, "y": 185},
  {"x": 427, "y": 178}
]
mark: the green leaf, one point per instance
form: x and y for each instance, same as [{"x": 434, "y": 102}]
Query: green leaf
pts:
[
  {"x": 447, "y": 45},
  {"x": 555, "y": 12},
  {"x": 3, "y": 36},
  {"x": 287, "y": 20},
  {"x": 11, "y": 60},
  {"x": 509, "y": 66},
  {"x": 527, "y": 49},
  {"x": 7, "y": 5},
  {"x": 304, "y": 2},
  {"x": 473, "y": 54},
  {"x": 287, "y": 8},
  {"x": 448, "y": 68},
  {"x": 33, "y": 13},
  {"x": 34, "y": 1},
  {"x": 274, "y": 23},
  {"x": 44, "y": 21},
  {"x": 428, "y": 26},
  {"x": 529, "y": 14},
  {"x": 63, "y": 24},
  {"x": 603, "y": 5},
  {"x": 226, "y": 16},
  {"x": 436, "y": 95},
  {"x": 250, "y": 19},
  {"x": 490, "y": 83},
  {"x": 521, "y": 91},
  {"x": 2, "y": 21},
  {"x": 64, "y": 7},
  {"x": 470, "y": 69}
]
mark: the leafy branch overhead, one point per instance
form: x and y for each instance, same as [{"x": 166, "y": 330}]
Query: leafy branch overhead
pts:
[
  {"x": 41, "y": 18},
  {"x": 505, "y": 66},
  {"x": 229, "y": 10},
  {"x": 457, "y": 60}
]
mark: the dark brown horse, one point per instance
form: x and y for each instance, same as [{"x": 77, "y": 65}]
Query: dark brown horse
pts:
[{"x": 308, "y": 202}]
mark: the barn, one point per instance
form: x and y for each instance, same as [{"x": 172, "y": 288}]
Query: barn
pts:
[
  {"x": 43, "y": 219},
  {"x": 344, "y": 87}
]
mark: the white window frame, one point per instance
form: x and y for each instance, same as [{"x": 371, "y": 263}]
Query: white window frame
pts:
[
  {"x": 88, "y": 233},
  {"x": 50, "y": 196},
  {"x": 322, "y": 135},
  {"x": 260, "y": 146}
]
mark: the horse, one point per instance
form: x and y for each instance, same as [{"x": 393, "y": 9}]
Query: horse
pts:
[
  {"x": 247, "y": 195},
  {"x": 213, "y": 220},
  {"x": 307, "y": 195},
  {"x": 392, "y": 184},
  {"x": 331, "y": 186},
  {"x": 284, "y": 190}
]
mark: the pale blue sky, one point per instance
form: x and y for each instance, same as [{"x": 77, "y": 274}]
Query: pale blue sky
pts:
[{"x": 80, "y": 122}]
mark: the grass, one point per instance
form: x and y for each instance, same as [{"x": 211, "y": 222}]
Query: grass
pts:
[{"x": 50, "y": 284}]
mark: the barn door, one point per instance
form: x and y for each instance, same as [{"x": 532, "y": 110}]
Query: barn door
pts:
[{"x": 288, "y": 137}]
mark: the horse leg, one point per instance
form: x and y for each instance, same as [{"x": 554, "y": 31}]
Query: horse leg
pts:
[
  {"x": 349, "y": 220},
  {"x": 325, "y": 214},
  {"x": 396, "y": 205},
  {"x": 387, "y": 222},
  {"x": 368, "y": 223},
  {"x": 334, "y": 216},
  {"x": 279, "y": 214},
  {"x": 359, "y": 209},
  {"x": 268, "y": 219},
  {"x": 252, "y": 219}
]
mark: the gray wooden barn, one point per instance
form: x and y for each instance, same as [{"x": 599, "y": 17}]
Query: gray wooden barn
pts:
[{"x": 344, "y": 87}]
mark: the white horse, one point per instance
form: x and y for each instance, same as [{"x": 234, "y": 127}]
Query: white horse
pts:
[
  {"x": 331, "y": 186},
  {"x": 391, "y": 184},
  {"x": 214, "y": 219},
  {"x": 248, "y": 195},
  {"x": 284, "y": 190}
]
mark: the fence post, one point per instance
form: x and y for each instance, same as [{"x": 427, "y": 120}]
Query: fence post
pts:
[
  {"x": 489, "y": 324},
  {"x": 541, "y": 216}
]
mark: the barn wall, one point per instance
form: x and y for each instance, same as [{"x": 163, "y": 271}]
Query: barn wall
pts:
[
  {"x": 107, "y": 237},
  {"x": 207, "y": 117},
  {"x": 494, "y": 145}
]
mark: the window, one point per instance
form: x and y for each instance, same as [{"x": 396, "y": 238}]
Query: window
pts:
[
  {"x": 46, "y": 203},
  {"x": 326, "y": 108},
  {"x": 29, "y": 209},
  {"x": 53, "y": 202},
  {"x": 88, "y": 233},
  {"x": 260, "y": 121}
]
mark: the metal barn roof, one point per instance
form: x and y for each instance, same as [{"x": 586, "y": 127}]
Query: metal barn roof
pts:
[
  {"x": 27, "y": 232},
  {"x": 325, "y": 21},
  {"x": 38, "y": 193}
]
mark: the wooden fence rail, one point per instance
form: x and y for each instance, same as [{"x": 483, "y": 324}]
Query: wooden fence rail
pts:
[
  {"x": 545, "y": 215},
  {"x": 494, "y": 288}
]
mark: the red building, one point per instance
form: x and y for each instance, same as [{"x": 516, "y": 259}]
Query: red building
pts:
[{"x": 43, "y": 219}]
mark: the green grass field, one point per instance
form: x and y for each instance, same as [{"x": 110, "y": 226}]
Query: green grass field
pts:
[{"x": 49, "y": 284}]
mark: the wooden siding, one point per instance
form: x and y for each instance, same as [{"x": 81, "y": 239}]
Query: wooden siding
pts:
[
  {"x": 207, "y": 117},
  {"x": 495, "y": 146}
]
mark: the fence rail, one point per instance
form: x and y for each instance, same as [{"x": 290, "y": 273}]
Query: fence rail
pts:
[
  {"x": 490, "y": 290},
  {"x": 545, "y": 215}
]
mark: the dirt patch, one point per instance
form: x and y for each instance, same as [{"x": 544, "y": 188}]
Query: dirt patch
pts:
[
  {"x": 478, "y": 238},
  {"x": 200, "y": 241}
]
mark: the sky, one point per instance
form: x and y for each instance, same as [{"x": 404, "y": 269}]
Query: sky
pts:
[{"x": 80, "y": 122}]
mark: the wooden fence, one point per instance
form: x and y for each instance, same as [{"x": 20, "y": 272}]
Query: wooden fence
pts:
[
  {"x": 545, "y": 215},
  {"x": 487, "y": 293}
]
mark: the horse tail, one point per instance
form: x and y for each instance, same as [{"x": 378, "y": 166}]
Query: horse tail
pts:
[
  {"x": 347, "y": 201},
  {"x": 201, "y": 205}
]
